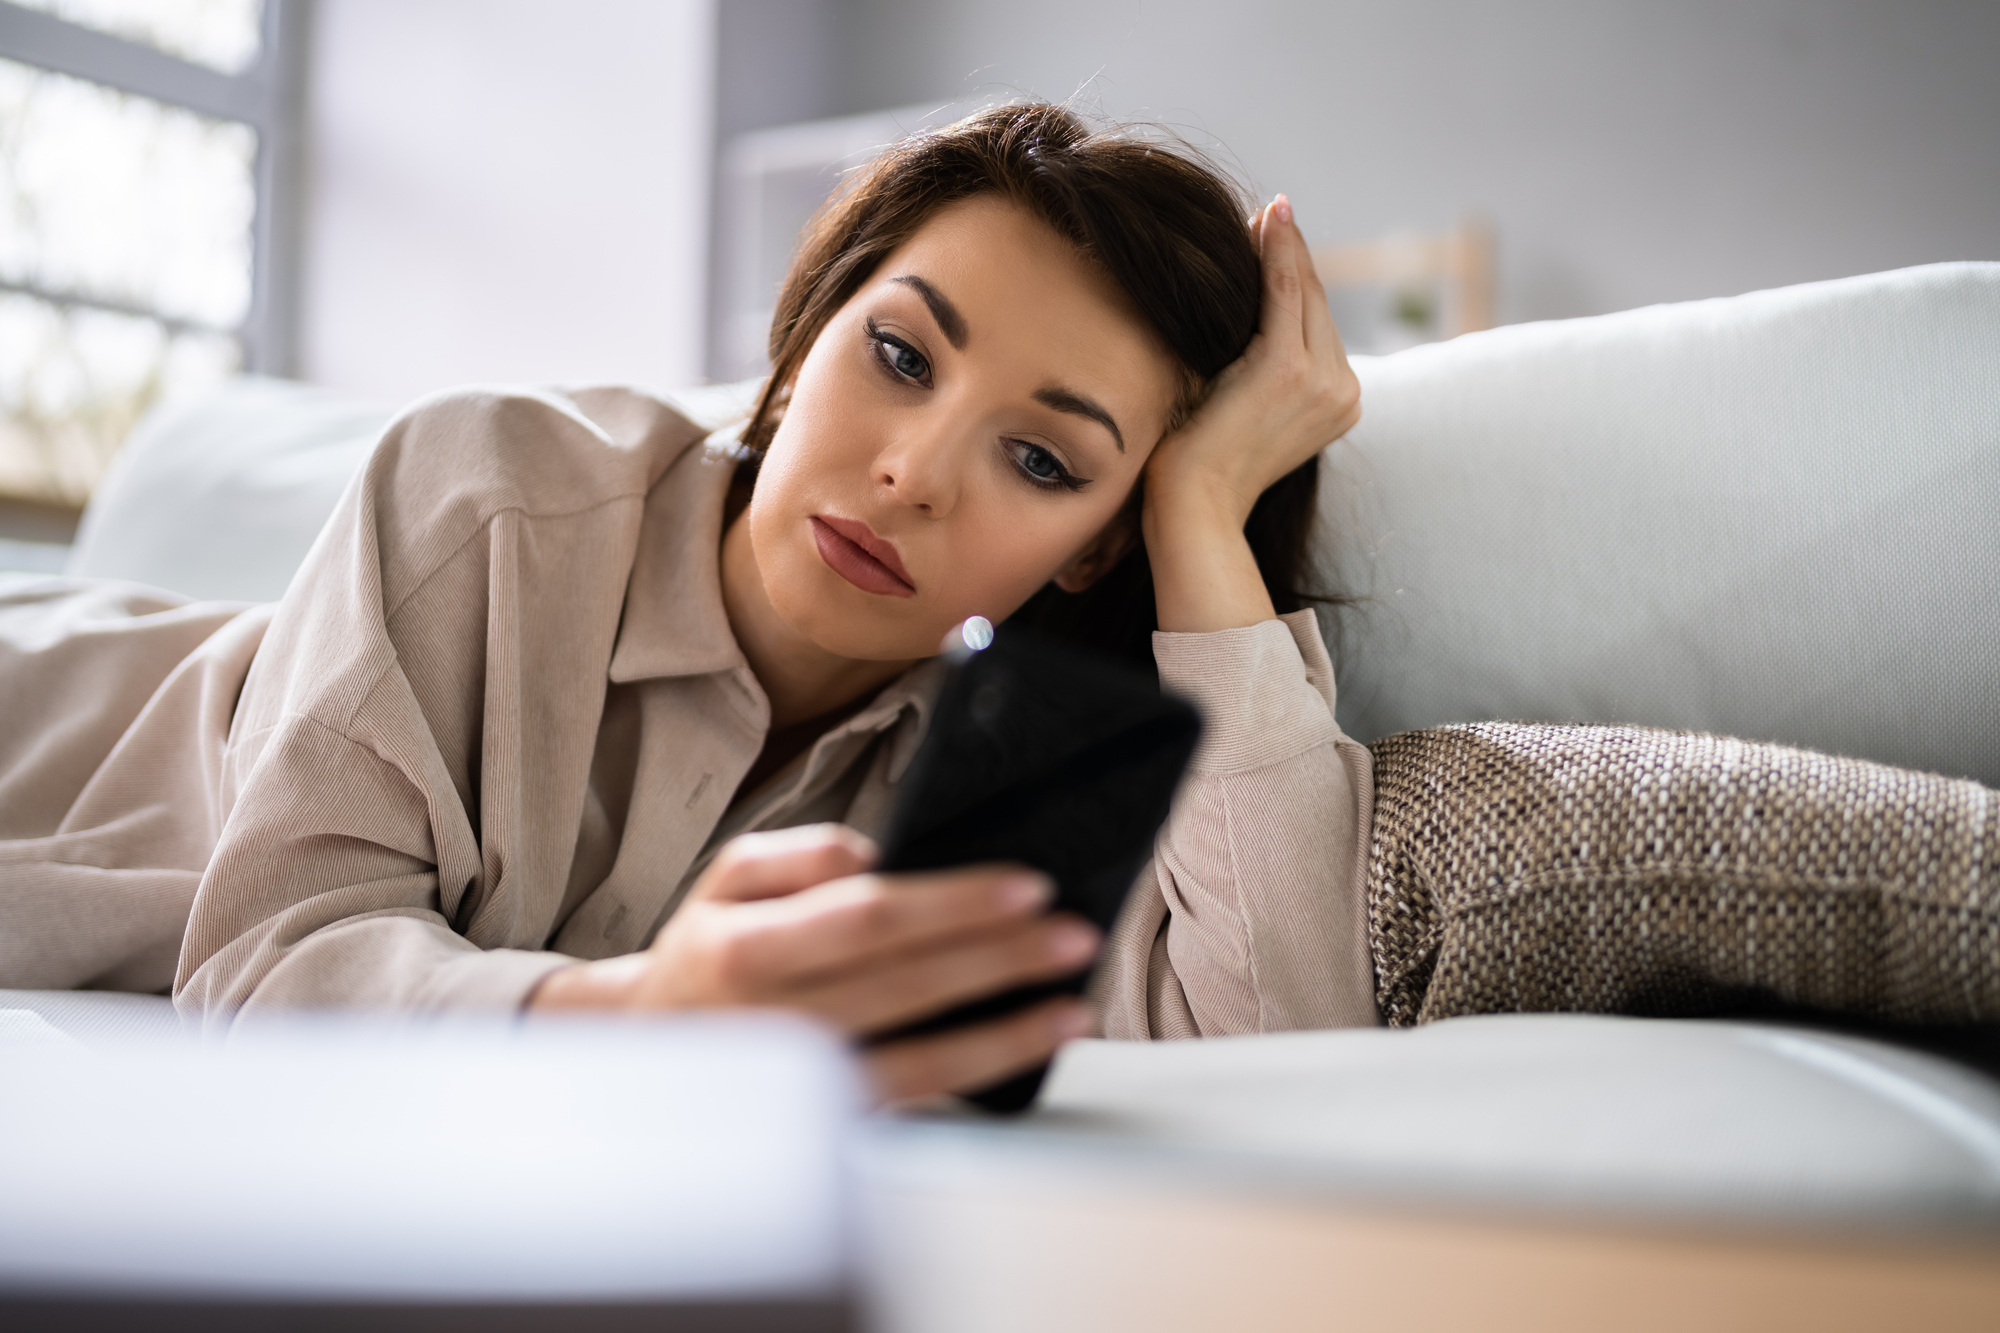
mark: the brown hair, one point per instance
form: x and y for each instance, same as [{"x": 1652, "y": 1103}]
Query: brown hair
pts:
[{"x": 1168, "y": 228}]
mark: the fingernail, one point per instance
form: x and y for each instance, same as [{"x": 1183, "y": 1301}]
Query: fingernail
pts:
[
  {"x": 1072, "y": 942},
  {"x": 1024, "y": 893},
  {"x": 1284, "y": 209}
]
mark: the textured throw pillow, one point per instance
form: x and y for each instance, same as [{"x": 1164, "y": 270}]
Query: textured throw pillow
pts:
[{"x": 1523, "y": 867}]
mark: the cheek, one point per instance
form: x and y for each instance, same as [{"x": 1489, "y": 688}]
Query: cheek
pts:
[
  {"x": 1006, "y": 548},
  {"x": 823, "y": 431}
]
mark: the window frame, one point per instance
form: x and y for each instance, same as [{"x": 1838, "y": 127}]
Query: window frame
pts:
[{"x": 269, "y": 97}]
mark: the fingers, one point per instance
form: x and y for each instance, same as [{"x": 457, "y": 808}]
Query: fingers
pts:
[
  {"x": 854, "y": 924},
  {"x": 766, "y": 865},
  {"x": 1293, "y": 291},
  {"x": 968, "y": 1058},
  {"x": 901, "y": 990},
  {"x": 1305, "y": 323},
  {"x": 1283, "y": 290},
  {"x": 1321, "y": 337}
]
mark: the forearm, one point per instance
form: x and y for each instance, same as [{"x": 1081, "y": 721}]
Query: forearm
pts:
[
  {"x": 407, "y": 962},
  {"x": 1204, "y": 576},
  {"x": 1288, "y": 395}
]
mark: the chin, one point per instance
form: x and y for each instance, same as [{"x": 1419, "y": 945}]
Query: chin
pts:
[
  {"x": 867, "y": 638},
  {"x": 846, "y": 621}
]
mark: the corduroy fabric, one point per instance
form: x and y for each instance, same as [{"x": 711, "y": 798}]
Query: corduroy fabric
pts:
[
  {"x": 1521, "y": 867},
  {"x": 1250, "y": 917},
  {"x": 115, "y": 702}
]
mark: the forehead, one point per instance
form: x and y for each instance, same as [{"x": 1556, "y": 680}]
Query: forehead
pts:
[{"x": 1034, "y": 306}]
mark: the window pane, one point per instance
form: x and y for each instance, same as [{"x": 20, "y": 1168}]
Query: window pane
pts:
[
  {"x": 74, "y": 381},
  {"x": 223, "y": 34},
  {"x": 108, "y": 195}
]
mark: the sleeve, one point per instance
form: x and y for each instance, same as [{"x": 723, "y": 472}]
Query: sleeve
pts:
[
  {"x": 336, "y": 884},
  {"x": 411, "y": 742},
  {"x": 1252, "y": 915}
]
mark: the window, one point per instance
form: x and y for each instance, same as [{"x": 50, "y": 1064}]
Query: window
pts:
[{"x": 144, "y": 218}]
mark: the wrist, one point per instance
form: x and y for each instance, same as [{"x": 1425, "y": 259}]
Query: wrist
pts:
[
  {"x": 1205, "y": 577},
  {"x": 608, "y": 983},
  {"x": 1201, "y": 510}
]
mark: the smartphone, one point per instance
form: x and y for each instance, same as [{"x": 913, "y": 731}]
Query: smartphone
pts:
[{"x": 1052, "y": 757}]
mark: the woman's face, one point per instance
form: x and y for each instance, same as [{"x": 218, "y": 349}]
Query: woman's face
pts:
[{"x": 962, "y": 431}]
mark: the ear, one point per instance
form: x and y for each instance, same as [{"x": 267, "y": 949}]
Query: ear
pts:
[{"x": 1099, "y": 558}]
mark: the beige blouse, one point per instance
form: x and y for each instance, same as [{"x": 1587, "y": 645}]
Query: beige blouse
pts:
[{"x": 496, "y": 725}]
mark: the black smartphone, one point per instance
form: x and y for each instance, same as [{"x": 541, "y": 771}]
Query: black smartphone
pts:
[{"x": 1047, "y": 755}]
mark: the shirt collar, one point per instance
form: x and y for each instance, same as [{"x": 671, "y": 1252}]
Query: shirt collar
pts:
[
  {"x": 904, "y": 703},
  {"x": 674, "y": 623}
]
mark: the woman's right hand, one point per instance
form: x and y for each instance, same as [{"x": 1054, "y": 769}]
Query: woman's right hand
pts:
[{"x": 795, "y": 920}]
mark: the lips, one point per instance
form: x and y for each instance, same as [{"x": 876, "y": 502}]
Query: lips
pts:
[{"x": 853, "y": 551}]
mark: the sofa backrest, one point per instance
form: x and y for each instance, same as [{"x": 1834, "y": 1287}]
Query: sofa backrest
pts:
[
  {"x": 220, "y": 498},
  {"x": 1774, "y": 516}
]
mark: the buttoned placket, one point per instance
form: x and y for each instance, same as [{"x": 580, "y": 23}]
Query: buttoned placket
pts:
[{"x": 897, "y": 718}]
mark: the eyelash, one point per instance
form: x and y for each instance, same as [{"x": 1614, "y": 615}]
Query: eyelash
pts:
[
  {"x": 1063, "y": 478},
  {"x": 877, "y": 340}
]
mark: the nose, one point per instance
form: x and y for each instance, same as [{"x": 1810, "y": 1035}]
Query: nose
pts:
[{"x": 924, "y": 468}]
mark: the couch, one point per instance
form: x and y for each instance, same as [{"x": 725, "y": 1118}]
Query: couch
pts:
[{"x": 1774, "y": 515}]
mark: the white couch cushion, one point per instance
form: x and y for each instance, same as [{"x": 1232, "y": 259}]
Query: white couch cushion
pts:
[
  {"x": 1608, "y": 1115},
  {"x": 1774, "y": 516}
]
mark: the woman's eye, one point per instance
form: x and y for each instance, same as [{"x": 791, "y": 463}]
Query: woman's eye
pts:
[
  {"x": 1043, "y": 468},
  {"x": 1039, "y": 462},
  {"x": 904, "y": 360}
]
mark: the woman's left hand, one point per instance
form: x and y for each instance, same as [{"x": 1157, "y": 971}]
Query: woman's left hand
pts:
[{"x": 1289, "y": 395}]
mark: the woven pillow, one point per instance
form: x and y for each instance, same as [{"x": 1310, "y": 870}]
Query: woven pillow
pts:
[{"x": 1520, "y": 867}]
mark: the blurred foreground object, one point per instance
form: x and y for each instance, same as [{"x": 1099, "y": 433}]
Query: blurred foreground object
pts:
[
  {"x": 1539, "y": 1173},
  {"x": 583, "y": 1174}
]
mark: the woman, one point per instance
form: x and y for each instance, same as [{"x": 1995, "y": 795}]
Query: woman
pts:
[
  {"x": 552, "y": 654},
  {"x": 570, "y": 710}
]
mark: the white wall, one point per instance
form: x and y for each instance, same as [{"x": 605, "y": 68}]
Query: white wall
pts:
[
  {"x": 1628, "y": 151},
  {"x": 506, "y": 190}
]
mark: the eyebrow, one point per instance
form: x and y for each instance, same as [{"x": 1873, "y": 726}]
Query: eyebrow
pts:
[
  {"x": 953, "y": 324},
  {"x": 942, "y": 310},
  {"x": 1062, "y": 400}
]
